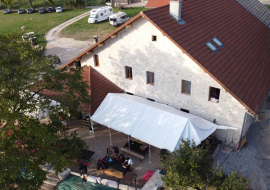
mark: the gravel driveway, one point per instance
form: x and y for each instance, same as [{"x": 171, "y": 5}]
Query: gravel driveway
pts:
[
  {"x": 254, "y": 160},
  {"x": 65, "y": 48}
]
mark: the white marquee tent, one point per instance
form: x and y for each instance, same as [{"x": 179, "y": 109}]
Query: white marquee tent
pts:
[{"x": 156, "y": 124}]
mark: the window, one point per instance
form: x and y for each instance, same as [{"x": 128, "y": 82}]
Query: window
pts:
[
  {"x": 150, "y": 99},
  {"x": 184, "y": 110},
  {"x": 186, "y": 87},
  {"x": 77, "y": 64},
  {"x": 129, "y": 93},
  {"x": 101, "y": 14},
  {"x": 110, "y": 9},
  {"x": 96, "y": 60},
  {"x": 154, "y": 38},
  {"x": 212, "y": 47},
  {"x": 218, "y": 42},
  {"x": 214, "y": 94},
  {"x": 128, "y": 72},
  {"x": 150, "y": 78}
]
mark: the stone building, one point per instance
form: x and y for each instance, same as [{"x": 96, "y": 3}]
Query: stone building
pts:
[{"x": 208, "y": 58}]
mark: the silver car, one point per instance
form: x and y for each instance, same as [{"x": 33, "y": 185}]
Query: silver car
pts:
[
  {"x": 59, "y": 9},
  {"x": 21, "y": 11},
  {"x": 7, "y": 11}
]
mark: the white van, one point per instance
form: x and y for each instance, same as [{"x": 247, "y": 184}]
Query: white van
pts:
[
  {"x": 100, "y": 14},
  {"x": 118, "y": 18}
]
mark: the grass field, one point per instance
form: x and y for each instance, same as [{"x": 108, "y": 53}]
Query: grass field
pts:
[
  {"x": 82, "y": 30},
  {"x": 42, "y": 3},
  {"x": 38, "y": 23}
]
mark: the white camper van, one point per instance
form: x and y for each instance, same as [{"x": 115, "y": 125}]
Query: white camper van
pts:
[
  {"x": 100, "y": 14},
  {"x": 118, "y": 18}
]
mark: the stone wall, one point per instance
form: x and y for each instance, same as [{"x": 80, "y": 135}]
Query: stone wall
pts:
[{"x": 134, "y": 48}]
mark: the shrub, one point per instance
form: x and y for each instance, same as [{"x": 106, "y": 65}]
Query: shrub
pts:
[
  {"x": 189, "y": 166},
  {"x": 234, "y": 181}
]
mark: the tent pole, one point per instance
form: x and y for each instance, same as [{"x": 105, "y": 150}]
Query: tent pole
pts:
[
  {"x": 150, "y": 154},
  {"x": 128, "y": 143},
  {"x": 110, "y": 136},
  {"x": 92, "y": 123}
]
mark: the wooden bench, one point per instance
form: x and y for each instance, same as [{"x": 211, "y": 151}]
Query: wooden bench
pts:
[{"x": 132, "y": 153}]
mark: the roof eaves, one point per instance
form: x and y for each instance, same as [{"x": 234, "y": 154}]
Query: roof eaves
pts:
[
  {"x": 205, "y": 70},
  {"x": 104, "y": 39}
]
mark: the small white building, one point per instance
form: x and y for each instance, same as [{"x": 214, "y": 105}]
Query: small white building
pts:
[{"x": 205, "y": 58}]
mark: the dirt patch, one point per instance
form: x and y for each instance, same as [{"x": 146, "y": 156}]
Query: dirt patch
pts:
[{"x": 65, "y": 48}]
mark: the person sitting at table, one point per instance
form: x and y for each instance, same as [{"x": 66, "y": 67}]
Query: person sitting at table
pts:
[
  {"x": 121, "y": 158},
  {"x": 128, "y": 165},
  {"x": 100, "y": 166},
  {"x": 115, "y": 152},
  {"x": 109, "y": 153}
]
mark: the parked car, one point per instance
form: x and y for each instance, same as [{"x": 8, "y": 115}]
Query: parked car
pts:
[
  {"x": 100, "y": 14},
  {"x": 21, "y": 11},
  {"x": 59, "y": 9},
  {"x": 50, "y": 9},
  {"x": 30, "y": 10},
  {"x": 42, "y": 10},
  {"x": 118, "y": 18},
  {"x": 7, "y": 11}
]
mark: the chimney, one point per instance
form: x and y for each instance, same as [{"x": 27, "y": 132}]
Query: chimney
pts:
[
  {"x": 175, "y": 9},
  {"x": 95, "y": 39}
]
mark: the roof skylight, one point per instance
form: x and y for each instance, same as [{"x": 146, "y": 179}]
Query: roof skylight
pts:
[
  {"x": 211, "y": 46},
  {"x": 218, "y": 42}
]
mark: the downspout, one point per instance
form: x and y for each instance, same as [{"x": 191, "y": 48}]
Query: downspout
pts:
[{"x": 264, "y": 101}]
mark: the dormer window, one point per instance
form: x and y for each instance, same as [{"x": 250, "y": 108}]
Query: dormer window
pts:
[
  {"x": 154, "y": 38},
  {"x": 218, "y": 42},
  {"x": 211, "y": 46},
  {"x": 214, "y": 94}
]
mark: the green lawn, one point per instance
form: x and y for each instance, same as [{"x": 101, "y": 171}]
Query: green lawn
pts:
[
  {"x": 38, "y": 23},
  {"x": 42, "y": 3},
  {"x": 82, "y": 30}
]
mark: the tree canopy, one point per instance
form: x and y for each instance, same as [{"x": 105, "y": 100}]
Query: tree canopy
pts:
[
  {"x": 25, "y": 142},
  {"x": 192, "y": 167}
]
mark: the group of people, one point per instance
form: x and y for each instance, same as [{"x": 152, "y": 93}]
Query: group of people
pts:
[{"x": 111, "y": 156}]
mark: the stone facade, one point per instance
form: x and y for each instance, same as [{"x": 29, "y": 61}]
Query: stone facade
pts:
[{"x": 134, "y": 48}]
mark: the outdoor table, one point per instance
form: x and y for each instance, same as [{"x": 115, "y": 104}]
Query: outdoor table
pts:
[
  {"x": 136, "y": 147},
  {"x": 115, "y": 169},
  {"x": 116, "y": 165}
]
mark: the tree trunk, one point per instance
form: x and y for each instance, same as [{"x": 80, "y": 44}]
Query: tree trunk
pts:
[{"x": 30, "y": 1}]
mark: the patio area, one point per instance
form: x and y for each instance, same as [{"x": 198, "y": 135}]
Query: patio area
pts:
[{"x": 101, "y": 142}]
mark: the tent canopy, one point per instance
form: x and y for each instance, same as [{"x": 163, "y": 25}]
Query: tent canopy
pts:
[{"x": 156, "y": 124}]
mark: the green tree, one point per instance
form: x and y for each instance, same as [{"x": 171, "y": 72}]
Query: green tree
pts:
[
  {"x": 30, "y": 1},
  {"x": 189, "y": 166},
  {"x": 234, "y": 181},
  {"x": 25, "y": 142},
  {"x": 8, "y": 3}
]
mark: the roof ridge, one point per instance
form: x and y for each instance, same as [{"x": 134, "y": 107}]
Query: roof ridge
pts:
[{"x": 257, "y": 9}]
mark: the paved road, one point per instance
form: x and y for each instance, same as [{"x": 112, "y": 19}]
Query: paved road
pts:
[
  {"x": 65, "y": 48},
  {"x": 139, "y": 4},
  {"x": 254, "y": 160},
  {"x": 265, "y": 2}
]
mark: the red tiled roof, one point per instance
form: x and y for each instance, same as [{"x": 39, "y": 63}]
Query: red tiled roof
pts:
[
  {"x": 100, "y": 87},
  {"x": 238, "y": 66},
  {"x": 86, "y": 78},
  {"x": 156, "y": 3}
]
